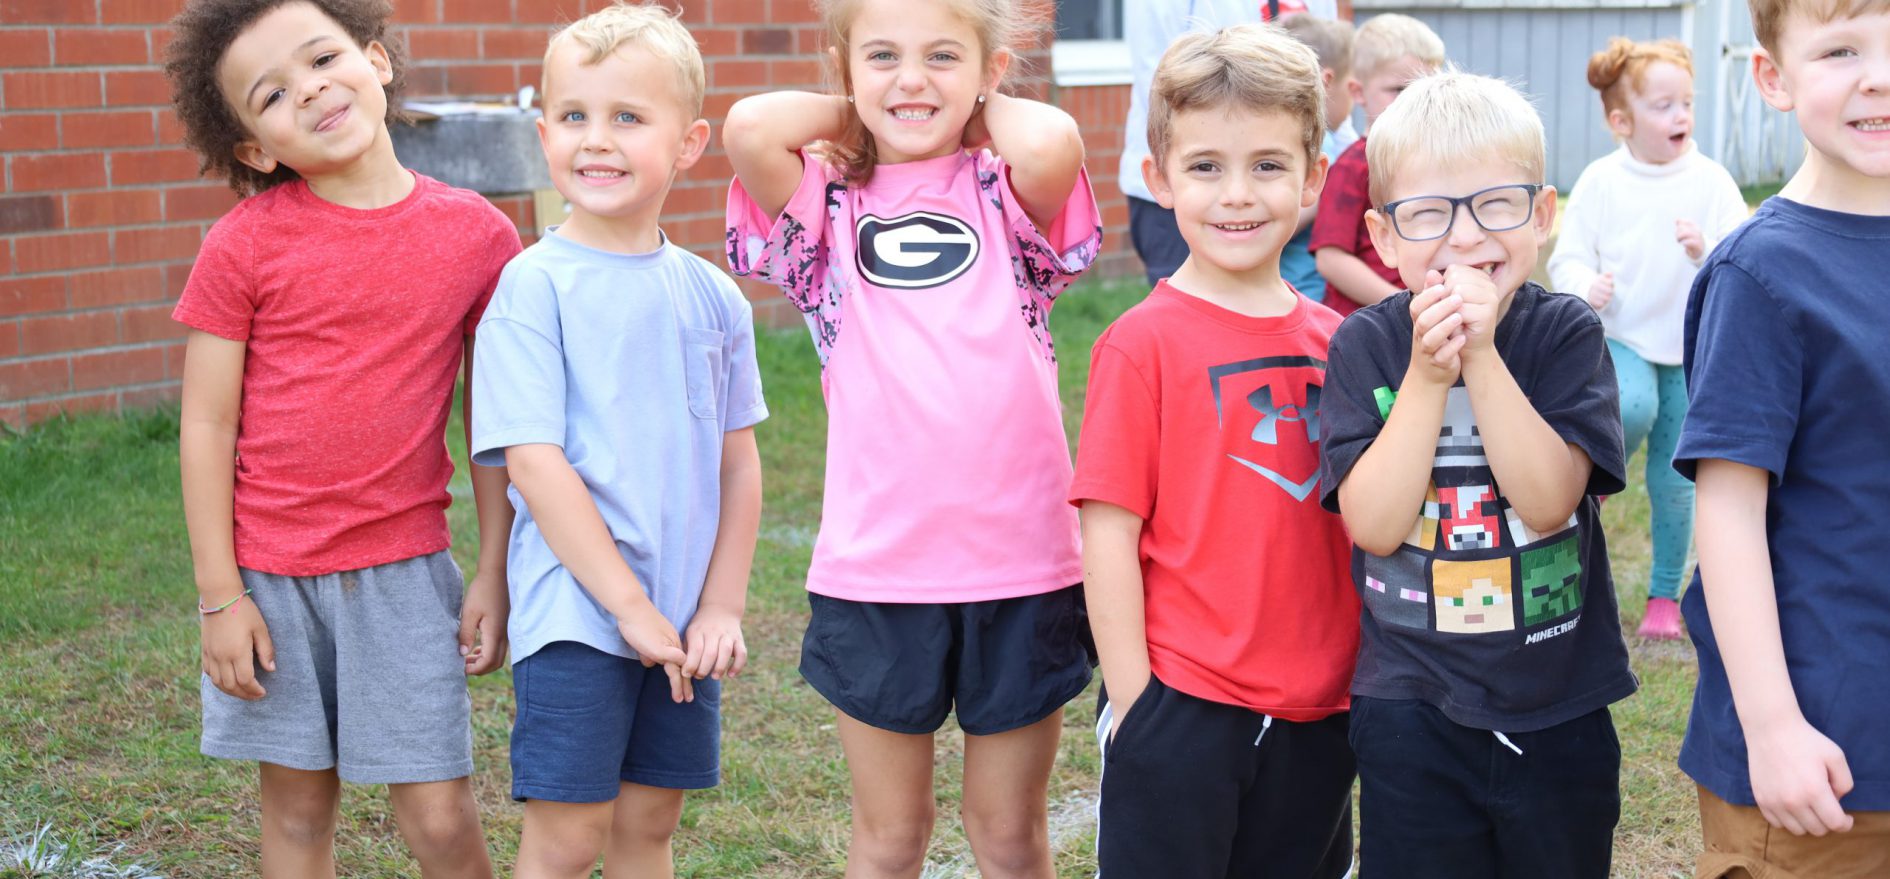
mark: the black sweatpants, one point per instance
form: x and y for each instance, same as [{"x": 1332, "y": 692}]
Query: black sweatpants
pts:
[
  {"x": 1439, "y": 799},
  {"x": 1193, "y": 789}
]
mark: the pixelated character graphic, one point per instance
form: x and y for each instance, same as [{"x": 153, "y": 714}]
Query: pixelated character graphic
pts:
[
  {"x": 1470, "y": 517},
  {"x": 1384, "y": 397},
  {"x": 1459, "y": 443},
  {"x": 1473, "y": 597},
  {"x": 1551, "y": 582},
  {"x": 1424, "y": 531},
  {"x": 1276, "y": 433},
  {"x": 1521, "y": 534},
  {"x": 1394, "y": 590}
]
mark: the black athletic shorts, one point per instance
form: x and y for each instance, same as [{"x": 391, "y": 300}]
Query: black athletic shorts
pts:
[
  {"x": 1193, "y": 789},
  {"x": 1002, "y": 664}
]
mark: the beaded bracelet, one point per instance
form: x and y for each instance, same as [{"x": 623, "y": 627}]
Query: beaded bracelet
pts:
[{"x": 206, "y": 611}]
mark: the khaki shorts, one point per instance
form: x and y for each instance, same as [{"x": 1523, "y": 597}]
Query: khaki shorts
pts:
[{"x": 1741, "y": 845}]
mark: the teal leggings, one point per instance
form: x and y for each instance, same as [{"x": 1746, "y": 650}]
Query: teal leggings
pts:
[{"x": 1653, "y": 404}]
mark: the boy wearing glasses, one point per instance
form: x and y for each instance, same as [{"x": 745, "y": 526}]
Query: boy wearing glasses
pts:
[{"x": 1466, "y": 426}]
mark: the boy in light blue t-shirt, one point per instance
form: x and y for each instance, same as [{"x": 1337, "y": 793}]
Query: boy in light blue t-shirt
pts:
[{"x": 617, "y": 383}]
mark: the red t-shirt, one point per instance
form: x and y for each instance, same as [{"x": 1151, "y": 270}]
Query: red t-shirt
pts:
[
  {"x": 1341, "y": 222},
  {"x": 1205, "y": 422},
  {"x": 1286, "y": 7},
  {"x": 354, "y": 323}
]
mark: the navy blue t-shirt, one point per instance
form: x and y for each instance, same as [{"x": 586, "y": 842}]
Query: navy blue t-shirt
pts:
[{"x": 1788, "y": 370}]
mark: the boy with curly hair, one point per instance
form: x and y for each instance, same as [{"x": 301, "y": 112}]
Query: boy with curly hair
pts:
[{"x": 329, "y": 312}]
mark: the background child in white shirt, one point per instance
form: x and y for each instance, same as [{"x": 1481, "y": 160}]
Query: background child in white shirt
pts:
[{"x": 1638, "y": 223}]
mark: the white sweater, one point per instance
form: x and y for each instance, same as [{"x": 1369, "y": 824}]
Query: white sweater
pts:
[{"x": 1620, "y": 219}]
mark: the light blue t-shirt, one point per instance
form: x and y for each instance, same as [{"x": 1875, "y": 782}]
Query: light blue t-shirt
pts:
[
  {"x": 636, "y": 365},
  {"x": 1296, "y": 262}
]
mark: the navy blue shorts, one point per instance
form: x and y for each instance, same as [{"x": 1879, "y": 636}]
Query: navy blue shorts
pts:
[
  {"x": 588, "y": 720},
  {"x": 1157, "y": 239},
  {"x": 1004, "y": 664}
]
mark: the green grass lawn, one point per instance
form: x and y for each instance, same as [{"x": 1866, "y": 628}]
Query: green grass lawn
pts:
[{"x": 99, "y": 732}]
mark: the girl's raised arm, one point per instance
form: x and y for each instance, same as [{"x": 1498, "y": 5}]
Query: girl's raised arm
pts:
[
  {"x": 764, "y": 134},
  {"x": 1042, "y": 146}
]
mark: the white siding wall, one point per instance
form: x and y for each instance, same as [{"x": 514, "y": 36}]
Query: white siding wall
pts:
[
  {"x": 1755, "y": 142},
  {"x": 1543, "y": 47}
]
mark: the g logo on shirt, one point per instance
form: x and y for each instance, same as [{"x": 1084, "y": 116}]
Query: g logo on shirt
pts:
[{"x": 917, "y": 250}]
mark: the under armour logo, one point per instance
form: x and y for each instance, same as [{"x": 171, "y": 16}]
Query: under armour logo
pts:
[
  {"x": 1264, "y": 372},
  {"x": 1268, "y": 430}
]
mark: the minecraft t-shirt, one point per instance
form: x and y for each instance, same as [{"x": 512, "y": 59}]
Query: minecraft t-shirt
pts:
[{"x": 1498, "y": 626}]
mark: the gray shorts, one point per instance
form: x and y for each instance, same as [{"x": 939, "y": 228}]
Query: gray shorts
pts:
[{"x": 368, "y": 681}]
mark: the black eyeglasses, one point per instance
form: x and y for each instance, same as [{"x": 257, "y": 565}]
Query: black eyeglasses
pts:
[{"x": 1497, "y": 209}]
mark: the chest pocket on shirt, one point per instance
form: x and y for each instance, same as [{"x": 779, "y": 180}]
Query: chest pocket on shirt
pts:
[{"x": 702, "y": 370}]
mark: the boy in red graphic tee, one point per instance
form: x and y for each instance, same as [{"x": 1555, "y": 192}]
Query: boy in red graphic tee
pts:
[
  {"x": 1216, "y": 583},
  {"x": 330, "y": 312}
]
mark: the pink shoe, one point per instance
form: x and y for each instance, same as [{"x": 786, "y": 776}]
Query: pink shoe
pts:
[{"x": 1662, "y": 622}]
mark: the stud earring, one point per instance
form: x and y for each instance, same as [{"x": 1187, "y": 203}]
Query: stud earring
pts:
[
  {"x": 849, "y": 99},
  {"x": 981, "y": 99}
]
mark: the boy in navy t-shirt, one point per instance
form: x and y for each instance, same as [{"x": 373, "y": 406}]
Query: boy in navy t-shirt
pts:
[{"x": 1785, "y": 433}]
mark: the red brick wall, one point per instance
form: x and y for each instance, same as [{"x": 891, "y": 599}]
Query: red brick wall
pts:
[
  {"x": 1099, "y": 112},
  {"x": 102, "y": 211},
  {"x": 101, "y": 216}
]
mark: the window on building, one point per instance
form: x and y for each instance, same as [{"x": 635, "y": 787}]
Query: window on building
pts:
[{"x": 1089, "y": 20}]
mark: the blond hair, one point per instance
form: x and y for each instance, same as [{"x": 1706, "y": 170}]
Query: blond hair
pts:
[
  {"x": 1768, "y": 16},
  {"x": 1454, "y": 118},
  {"x": 1383, "y": 39},
  {"x": 1330, "y": 39},
  {"x": 647, "y": 25},
  {"x": 1001, "y": 26},
  {"x": 1252, "y": 66},
  {"x": 1623, "y": 65}
]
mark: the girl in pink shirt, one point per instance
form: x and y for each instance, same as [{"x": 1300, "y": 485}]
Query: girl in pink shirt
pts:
[{"x": 924, "y": 224}]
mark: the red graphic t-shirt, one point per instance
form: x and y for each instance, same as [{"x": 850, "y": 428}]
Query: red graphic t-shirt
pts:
[
  {"x": 1205, "y": 422},
  {"x": 354, "y": 322}
]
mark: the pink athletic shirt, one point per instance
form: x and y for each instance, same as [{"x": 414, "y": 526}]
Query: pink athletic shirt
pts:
[
  {"x": 927, "y": 292},
  {"x": 354, "y": 323}
]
